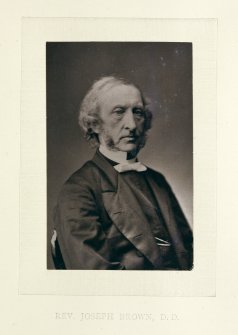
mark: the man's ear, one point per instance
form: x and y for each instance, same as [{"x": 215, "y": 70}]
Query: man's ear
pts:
[{"x": 96, "y": 127}]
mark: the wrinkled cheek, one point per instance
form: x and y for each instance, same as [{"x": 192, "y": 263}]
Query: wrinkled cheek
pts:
[
  {"x": 116, "y": 136},
  {"x": 111, "y": 138},
  {"x": 117, "y": 140}
]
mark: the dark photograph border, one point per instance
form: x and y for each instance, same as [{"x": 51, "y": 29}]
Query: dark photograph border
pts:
[{"x": 162, "y": 71}]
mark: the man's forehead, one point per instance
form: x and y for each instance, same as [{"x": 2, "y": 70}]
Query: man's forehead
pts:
[{"x": 121, "y": 94}]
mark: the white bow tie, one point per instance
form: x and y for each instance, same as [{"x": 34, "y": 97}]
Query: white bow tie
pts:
[{"x": 123, "y": 167}]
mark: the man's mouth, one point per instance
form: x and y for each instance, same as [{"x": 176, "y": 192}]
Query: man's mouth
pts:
[{"x": 129, "y": 138}]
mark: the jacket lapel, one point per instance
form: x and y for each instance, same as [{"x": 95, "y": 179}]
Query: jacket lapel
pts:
[
  {"x": 128, "y": 216},
  {"x": 126, "y": 212}
]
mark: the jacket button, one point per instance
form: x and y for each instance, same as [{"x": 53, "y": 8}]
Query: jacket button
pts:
[{"x": 139, "y": 254}]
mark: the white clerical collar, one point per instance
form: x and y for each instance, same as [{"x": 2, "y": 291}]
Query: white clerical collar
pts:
[{"x": 116, "y": 156}]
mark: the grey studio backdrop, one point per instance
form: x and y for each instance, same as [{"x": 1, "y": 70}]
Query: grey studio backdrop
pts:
[{"x": 163, "y": 70}]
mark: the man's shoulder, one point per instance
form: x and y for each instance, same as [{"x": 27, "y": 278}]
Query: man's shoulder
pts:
[
  {"x": 87, "y": 172},
  {"x": 156, "y": 175},
  {"x": 82, "y": 180}
]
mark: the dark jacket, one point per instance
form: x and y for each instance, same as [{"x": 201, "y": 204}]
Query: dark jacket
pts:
[{"x": 101, "y": 224}]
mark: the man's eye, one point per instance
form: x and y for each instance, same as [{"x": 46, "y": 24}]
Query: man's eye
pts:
[
  {"x": 138, "y": 112},
  {"x": 119, "y": 111}
]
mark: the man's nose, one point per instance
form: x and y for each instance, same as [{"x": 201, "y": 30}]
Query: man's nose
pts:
[{"x": 129, "y": 120}]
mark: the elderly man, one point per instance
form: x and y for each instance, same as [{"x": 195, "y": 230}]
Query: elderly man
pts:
[{"x": 114, "y": 213}]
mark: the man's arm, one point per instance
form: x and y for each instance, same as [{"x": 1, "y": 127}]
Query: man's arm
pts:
[
  {"x": 82, "y": 240},
  {"x": 182, "y": 223}
]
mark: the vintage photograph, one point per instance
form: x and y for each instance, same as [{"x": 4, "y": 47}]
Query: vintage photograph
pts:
[{"x": 119, "y": 156}]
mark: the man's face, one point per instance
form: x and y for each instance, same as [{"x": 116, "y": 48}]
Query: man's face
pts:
[{"x": 122, "y": 115}]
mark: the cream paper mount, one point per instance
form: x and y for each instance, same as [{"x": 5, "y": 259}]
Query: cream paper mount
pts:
[{"x": 35, "y": 275}]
